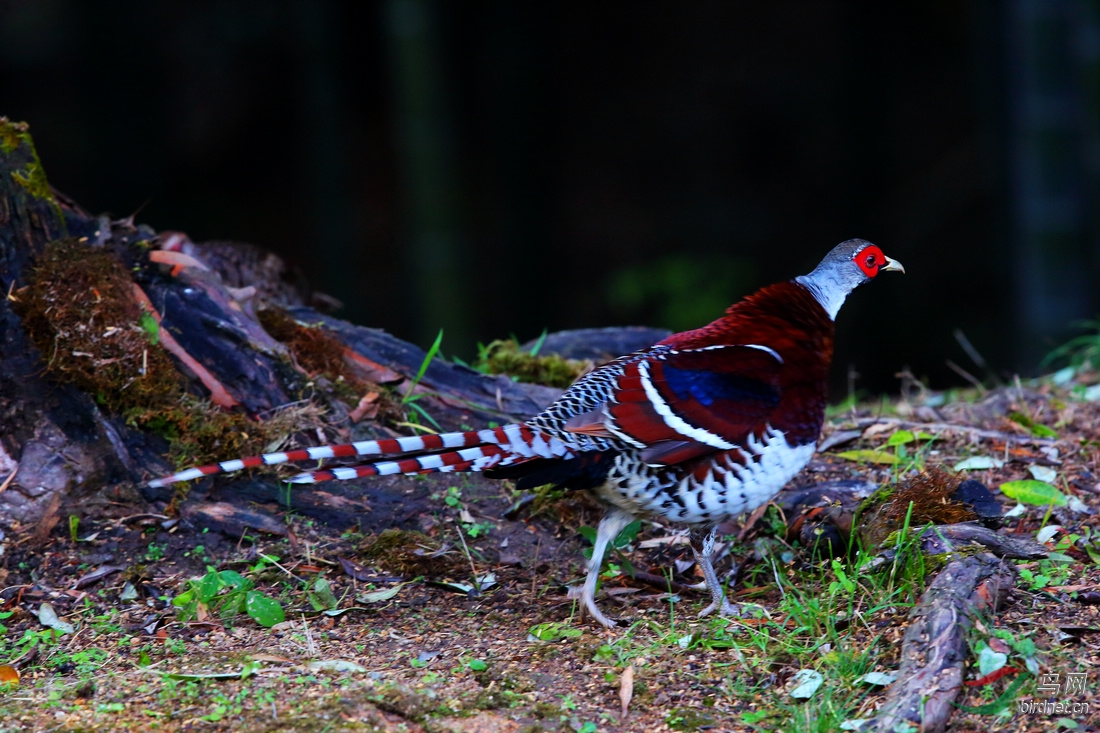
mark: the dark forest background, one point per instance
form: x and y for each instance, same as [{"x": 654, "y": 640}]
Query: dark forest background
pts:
[{"x": 494, "y": 167}]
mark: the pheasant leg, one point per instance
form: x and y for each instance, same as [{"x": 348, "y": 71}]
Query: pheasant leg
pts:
[
  {"x": 703, "y": 551},
  {"x": 609, "y": 529}
]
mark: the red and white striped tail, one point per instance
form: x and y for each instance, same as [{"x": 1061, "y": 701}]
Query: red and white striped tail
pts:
[
  {"x": 477, "y": 458},
  {"x": 515, "y": 439}
]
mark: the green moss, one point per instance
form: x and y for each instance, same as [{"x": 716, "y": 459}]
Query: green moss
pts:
[
  {"x": 320, "y": 354},
  {"x": 10, "y": 134},
  {"x": 688, "y": 719},
  {"x": 34, "y": 181},
  {"x": 410, "y": 704},
  {"x": 33, "y": 177},
  {"x": 79, "y": 310},
  {"x": 197, "y": 431},
  {"x": 922, "y": 499},
  {"x": 506, "y": 357}
]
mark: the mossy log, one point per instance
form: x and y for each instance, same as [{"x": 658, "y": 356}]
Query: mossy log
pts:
[
  {"x": 51, "y": 434},
  {"x": 124, "y": 354}
]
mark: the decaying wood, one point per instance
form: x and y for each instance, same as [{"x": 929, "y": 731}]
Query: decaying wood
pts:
[
  {"x": 48, "y": 430},
  {"x": 56, "y": 440},
  {"x": 950, "y": 537},
  {"x": 598, "y": 344},
  {"x": 934, "y": 646}
]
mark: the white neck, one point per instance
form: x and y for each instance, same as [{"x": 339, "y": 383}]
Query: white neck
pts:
[{"x": 826, "y": 291}]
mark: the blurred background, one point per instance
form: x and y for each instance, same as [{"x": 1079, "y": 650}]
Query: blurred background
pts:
[{"x": 492, "y": 167}]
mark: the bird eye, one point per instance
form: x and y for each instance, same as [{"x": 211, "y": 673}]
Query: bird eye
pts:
[{"x": 869, "y": 260}]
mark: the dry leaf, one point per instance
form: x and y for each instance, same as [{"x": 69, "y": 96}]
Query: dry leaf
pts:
[
  {"x": 879, "y": 427},
  {"x": 48, "y": 617},
  {"x": 9, "y": 675},
  {"x": 626, "y": 689},
  {"x": 49, "y": 519},
  {"x": 339, "y": 666},
  {"x": 674, "y": 539},
  {"x": 367, "y": 408}
]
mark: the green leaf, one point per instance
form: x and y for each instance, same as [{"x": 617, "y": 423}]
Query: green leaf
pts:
[
  {"x": 845, "y": 581},
  {"x": 753, "y": 718},
  {"x": 184, "y": 598},
  {"x": 1036, "y": 429},
  {"x": 1042, "y": 431},
  {"x": 552, "y": 631},
  {"x": 265, "y": 611},
  {"x": 378, "y": 596},
  {"x": 321, "y": 596},
  {"x": 901, "y": 437},
  {"x": 629, "y": 534},
  {"x": 477, "y": 665},
  {"x": 150, "y": 326},
  {"x": 538, "y": 344},
  {"x": 424, "y": 365},
  {"x": 235, "y": 580},
  {"x": 589, "y": 533},
  {"x": 990, "y": 661},
  {"x": 869, "y": 456},
  {"x": 209, "y": 587},
  {"x": 1036, "y": 493}
]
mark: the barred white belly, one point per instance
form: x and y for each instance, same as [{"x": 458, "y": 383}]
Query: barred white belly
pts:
[{"x": 727, "y": 490}]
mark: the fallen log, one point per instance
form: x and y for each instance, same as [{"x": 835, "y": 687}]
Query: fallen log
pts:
[
  {"x": 934, "y": 647},
  {"x": 124, "y": 354}
]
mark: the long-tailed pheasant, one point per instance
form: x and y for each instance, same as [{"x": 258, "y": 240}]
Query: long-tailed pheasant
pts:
[{"x": 696, "y": 429}]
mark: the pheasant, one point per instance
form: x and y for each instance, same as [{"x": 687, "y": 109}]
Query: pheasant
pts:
[{"x": 696, "y": 429}]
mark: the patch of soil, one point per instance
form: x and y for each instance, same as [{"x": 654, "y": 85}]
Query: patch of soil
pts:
[{"x": 436, "y": 654}]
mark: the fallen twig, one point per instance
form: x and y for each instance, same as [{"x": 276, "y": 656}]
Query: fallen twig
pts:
[
  {"x": 976, "y": 432},
  {"x": 934, "y": 646}
]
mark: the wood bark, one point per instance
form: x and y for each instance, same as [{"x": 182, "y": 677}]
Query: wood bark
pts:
[
  {"x": 57, "y": 443},
  {"x": 934, "y": 647}
]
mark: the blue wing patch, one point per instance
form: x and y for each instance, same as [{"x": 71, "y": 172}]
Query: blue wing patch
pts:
[{"x": 706, "y": 386}]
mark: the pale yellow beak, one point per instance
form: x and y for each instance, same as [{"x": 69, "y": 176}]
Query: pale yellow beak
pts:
[{"x": 891, "y": 266}]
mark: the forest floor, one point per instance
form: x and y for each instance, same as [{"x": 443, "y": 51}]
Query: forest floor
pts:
[{"x": 387, "y": 632}]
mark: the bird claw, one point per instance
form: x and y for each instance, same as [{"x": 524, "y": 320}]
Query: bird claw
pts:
[
  {"x": 733, "y": 609},
  {"x": 577, "y": 591},
  {"x": 725, "y": 609}
]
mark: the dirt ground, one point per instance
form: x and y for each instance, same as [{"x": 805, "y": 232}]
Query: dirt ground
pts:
[{"x": 403, "y": 643}]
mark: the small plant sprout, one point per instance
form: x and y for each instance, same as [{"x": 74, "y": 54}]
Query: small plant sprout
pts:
[{"x": 411, "y": 396}]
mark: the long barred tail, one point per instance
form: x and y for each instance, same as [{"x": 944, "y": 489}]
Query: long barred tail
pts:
[
  {"x": 477, "y": 458},
  {"x": 473, "y": 450}
]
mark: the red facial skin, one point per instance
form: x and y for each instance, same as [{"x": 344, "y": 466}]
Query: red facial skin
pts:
[{"x": 869, "y": 259}]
